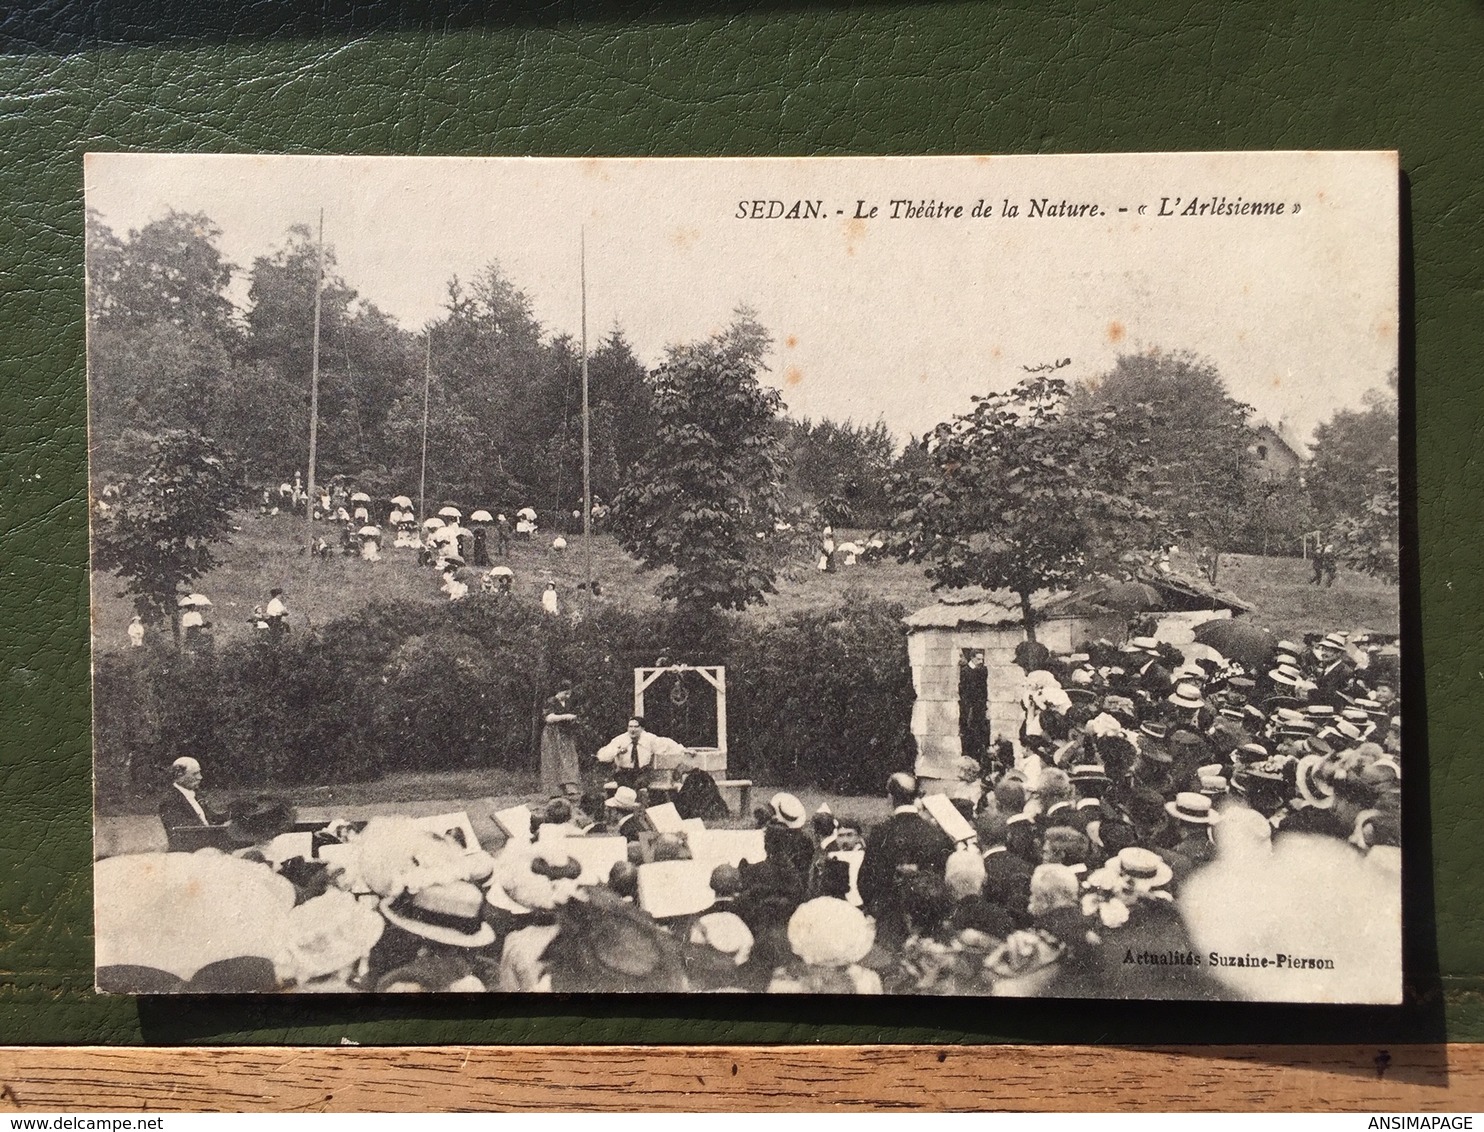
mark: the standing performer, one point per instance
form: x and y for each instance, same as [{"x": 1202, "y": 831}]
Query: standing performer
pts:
[
  {"x": 559, "y": 745},
  {"x": 973, "y": 706}
]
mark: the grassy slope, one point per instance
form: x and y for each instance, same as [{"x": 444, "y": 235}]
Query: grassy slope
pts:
[{"x": 265, "y": 553}]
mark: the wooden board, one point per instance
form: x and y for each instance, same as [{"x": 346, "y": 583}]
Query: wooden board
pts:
[{"x": 743, "y": 1078}]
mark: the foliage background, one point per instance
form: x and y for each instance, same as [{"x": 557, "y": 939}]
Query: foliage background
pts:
[
  {"x": 676, "y": 77},
  {"x": 819, "y": 698}
]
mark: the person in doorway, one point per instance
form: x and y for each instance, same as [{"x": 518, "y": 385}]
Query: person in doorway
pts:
[{"x": 973, "y": 706}]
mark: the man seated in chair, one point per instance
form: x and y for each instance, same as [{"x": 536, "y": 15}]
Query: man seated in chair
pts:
[
  {"x": 632, "y": 754},
  {"x": 179, "y": 806}
]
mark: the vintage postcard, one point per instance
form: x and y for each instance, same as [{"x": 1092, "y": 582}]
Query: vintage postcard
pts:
[{"x": 929, "y": 576}]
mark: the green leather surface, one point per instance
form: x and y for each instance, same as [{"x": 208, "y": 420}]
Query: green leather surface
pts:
[{"x": 1006, "y": 77}]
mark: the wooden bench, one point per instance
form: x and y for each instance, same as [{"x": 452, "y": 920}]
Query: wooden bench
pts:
[{"x": 742, "y": 789}]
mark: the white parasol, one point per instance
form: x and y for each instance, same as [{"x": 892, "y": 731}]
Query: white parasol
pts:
[
  {"x": 194, "y": 601},
  {"x": 401, "y": 501},
  {"x": 450, "y": 512},
  {"x": 369, "y": 531},
  {"x": 430, "y": 524},
  {"x": 481, "y": 516},
  {"x": 360, "y": 497}
]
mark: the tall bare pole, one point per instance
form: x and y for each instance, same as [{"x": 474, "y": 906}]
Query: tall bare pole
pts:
[
  {"x": 319, "y": 277},
  {"x": 587, "y": 448},
  {"x": 422, "y": 482}
]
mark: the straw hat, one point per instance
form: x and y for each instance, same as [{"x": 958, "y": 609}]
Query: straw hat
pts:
[
  {"x": 1193, "y": 808},
  {"x": 444, "y": 913},
  {"x": 625, "y": 798},
  {"x": 1187, "y": 696},
  {"x": 1144, "y": 869},
  {"x": 788, "y": 810}
]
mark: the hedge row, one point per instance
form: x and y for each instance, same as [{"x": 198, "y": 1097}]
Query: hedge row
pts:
[{"x": 822, "y": 698}]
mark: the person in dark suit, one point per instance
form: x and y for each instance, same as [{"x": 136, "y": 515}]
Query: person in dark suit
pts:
[
  {"x": 904, "y": 842},
  {"x": 1007, "y": 876},
  {"x": 179, "y": 807},
  {"x": 973, "y": 706}
]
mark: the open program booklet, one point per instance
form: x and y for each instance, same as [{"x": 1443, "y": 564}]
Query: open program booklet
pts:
[{"x": 942, "y": 575}]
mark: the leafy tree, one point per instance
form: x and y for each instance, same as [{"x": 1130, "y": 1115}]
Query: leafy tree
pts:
[
  {"x": 704, "y": 497},
  {"x": 1201, "y": 477},
  {"x": 1367, "y": 539},
  {"x": 169, "y": 271},
  {"x": 1353, "y": 453},
  {"x": 1021, "y": 494},
  {"x": 842, "y": 468},
  {"x": 168, "y": 517}
]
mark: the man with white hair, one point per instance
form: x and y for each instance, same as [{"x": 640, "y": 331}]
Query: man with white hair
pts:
[{"x": 179, "y": 807}]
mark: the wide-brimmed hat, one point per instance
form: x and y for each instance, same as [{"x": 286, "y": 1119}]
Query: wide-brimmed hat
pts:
[
  {"x": 625, "y": 798},
  {"x": 788, "y": 810},
  {"x": 328, "y": 934},
  {"x": 255, "y": 820},
  {"x": 1187, "y": 696},
  {"x": 1024, "y": 953},
  {"x": 444, "y": 913},
  {"x": 724, "y": 932},
  {"x": 829, "y": 932},
  {"x": 1145, "y": 868},
  {"x": 1285, "y": 674},
  {"x": 1213, "y": 785},
  {"x": 1193, "y": 808},
  {"x": 1089, "y": 772},
  {"x": 1154, "y": 728},
  {"x": 1312, "y": 787}
]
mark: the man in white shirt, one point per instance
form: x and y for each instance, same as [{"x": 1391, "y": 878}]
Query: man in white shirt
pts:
[{"x": 633, "y": 753}]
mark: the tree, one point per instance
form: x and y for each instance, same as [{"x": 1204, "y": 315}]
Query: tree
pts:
[
  {"x": 1196, "y": 440},
  {"x": 169, "y": 271},
  {"x": 1021, "y": 494},
  {"x": 842, "y": 468},
  {"x": 705, "y": 495},
  {"x": 1366, "y": 540},
  {"x": 1353, "y": 453},
  {"x": 166, "y": 521}
]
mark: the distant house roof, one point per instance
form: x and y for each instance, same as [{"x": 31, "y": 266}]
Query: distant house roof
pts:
[{"x": 1281, "y": 434}]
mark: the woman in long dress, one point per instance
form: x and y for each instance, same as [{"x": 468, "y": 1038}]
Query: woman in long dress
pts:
[{"x": 559, "y": 745}]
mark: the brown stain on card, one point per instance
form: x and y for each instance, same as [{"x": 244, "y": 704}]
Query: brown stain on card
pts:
[
  {"x": 685, "y": 238},
  {"x": 1116, "y": 332},
  {"x": 793, "y": 376},
  {"x": 855, "y": 232},
  {"x": 791, "y": 341}
]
